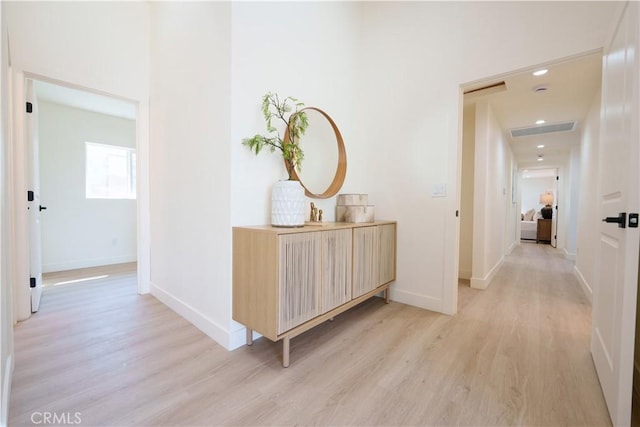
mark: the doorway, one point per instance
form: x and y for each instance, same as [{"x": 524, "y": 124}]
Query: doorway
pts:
[
  {"x": 80, "y": 99},
  {"x": 529, "y": 119},
  {"x": 539, "y": 201},
  {"x": 87, "y": 146}
]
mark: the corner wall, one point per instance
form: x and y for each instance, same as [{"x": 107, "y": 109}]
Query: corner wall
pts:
[{"x": 190, "y": 157}]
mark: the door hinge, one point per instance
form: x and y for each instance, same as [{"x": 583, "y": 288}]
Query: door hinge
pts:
[
  {"x": 29, "y": 107},
  {"x": 32, "y": 282},
  {"x": 557, "y": 178},
  {"x": 457, "y": 214},
  {"x": 29, "y": 196}
]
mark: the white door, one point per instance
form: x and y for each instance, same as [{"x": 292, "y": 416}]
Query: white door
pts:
[
  {"x": 33, "y": 183},
  {"x": 614, "y": 299}
]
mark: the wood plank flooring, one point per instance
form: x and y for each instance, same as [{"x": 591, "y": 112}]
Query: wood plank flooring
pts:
[{"x": 516, "y": 354}]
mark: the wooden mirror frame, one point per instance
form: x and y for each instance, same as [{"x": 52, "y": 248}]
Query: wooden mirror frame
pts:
[{"x": 341, "y": 168}]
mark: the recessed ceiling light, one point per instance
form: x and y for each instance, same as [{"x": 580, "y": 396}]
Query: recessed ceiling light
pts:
[
  {"x": 540, "y": 72},
  {"x": 540, "y": 122},
  {"x": 540, "y": 146},
  {"x": 540, "y": 159}
]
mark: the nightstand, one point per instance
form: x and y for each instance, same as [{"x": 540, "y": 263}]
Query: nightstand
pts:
[{"x": 544, "y": 231}]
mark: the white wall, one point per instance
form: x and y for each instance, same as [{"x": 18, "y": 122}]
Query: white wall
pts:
[
  {"x": 415, "y": 57},
  {"x": 531, "y": 190},
  {"x": 588, "y": 219},
  {"x": 190, "y": 162},
  {"x": 103, "y": 46},
  {"x": 6, "y": 317},
  {"x": 492, "y": 181},
  {"x": 466, "y": 192},
  {"x": 78, "y": 232},
  {"x": 314, "y": 58},
  {"x": 572, "y": 203}
]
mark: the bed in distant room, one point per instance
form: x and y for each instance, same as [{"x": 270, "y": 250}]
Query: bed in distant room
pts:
[{"x": 529, "y": 225}]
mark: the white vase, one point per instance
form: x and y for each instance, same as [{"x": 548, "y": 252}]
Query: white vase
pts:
[{"x": 287, "y": 204}]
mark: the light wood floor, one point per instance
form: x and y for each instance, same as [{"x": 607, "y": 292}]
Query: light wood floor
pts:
[{"x": 516, "y": 354}]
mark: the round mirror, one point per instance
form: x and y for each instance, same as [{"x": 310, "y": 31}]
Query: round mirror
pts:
[{"x": 324, "y": 166}]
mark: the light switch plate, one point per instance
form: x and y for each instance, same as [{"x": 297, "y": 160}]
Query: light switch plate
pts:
[{"x": 439, "y": 190}]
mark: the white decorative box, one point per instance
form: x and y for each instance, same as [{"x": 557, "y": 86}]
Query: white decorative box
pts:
[
  {"x": 355, "y": 213},
  {"x": 353, "y": 199}
]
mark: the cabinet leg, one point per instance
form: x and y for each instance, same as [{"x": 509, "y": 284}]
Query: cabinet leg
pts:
[
  {"x": 285, "y": 352},
  {"x": 387, "y": 297},
  {"x": 249, "y": 336}
]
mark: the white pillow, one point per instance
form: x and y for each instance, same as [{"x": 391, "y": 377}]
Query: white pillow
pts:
[{"x": 528, "y": 215}]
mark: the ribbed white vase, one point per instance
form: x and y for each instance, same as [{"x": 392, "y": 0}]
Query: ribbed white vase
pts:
[{"x": 287, "y": 204}]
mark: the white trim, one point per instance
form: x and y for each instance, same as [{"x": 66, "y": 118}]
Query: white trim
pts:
[
  {"x": 483, "y": 283},
  {"x": 569, "y": 255},
  {"x": 143, "y": 194},
  {"x": 416, "y": 300},
  {"x": 6, "y": 389},
  {"x": 18, "y": 184},
  {"x": 207, "y": 325},
  {"x": 85, "y": 263},
  {"x": 588, "y": 290},
  {"x": 512, "y": 247}
]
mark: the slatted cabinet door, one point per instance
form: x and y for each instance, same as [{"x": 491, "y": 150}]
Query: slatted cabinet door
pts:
[
  {"x": 299, "y": 278},
  {"x": 336, "y": 269},
  {"x": 365, "y": 254},
  {"x": 374, "y": 257},
  {"x": 386, "y": 253}
]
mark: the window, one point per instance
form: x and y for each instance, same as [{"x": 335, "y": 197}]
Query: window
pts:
[{"x": 111, "y": 172}]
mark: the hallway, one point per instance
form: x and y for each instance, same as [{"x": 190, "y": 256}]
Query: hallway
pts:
[{"x": 516, "y": 354}]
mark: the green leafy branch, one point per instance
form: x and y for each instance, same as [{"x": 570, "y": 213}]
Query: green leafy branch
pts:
[{"x": 295, "y": 122}]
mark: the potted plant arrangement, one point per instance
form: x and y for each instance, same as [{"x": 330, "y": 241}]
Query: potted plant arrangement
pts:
[{"x": 287, "y": 197}]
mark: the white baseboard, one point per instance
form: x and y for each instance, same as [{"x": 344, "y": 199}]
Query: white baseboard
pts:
[
  {"x": 512, "y": 246},
  {"x": 6, "y": 389},
  {"x": 416, "y": 300},
  {"x": 86, "y": 263},
  {"x": 207, "y": 325},
  {"x": 569, "y": 255},
  {"x": 483, "y": 283},
  {"x": 588, "y": 291}
]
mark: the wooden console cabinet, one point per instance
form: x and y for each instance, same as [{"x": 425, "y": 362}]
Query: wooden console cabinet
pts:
[
  {"x": 544, "y": 231},
  {"x": 288, "y": 280}
]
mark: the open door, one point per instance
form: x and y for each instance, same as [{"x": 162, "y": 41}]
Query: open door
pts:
[
  {"x": 614, "y": 298},
  {"x": 34, "y": 207}
]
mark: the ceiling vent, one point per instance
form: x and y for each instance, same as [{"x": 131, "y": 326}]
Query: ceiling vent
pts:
[{"x": 538, "y": 130}]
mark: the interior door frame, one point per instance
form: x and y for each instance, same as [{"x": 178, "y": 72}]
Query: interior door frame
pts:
[{"x": 19, "y": 223}]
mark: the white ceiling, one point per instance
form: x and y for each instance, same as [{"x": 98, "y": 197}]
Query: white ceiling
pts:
[
  {"x": 85, "y": 100},
  {"x": 571, "y": 87}
]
